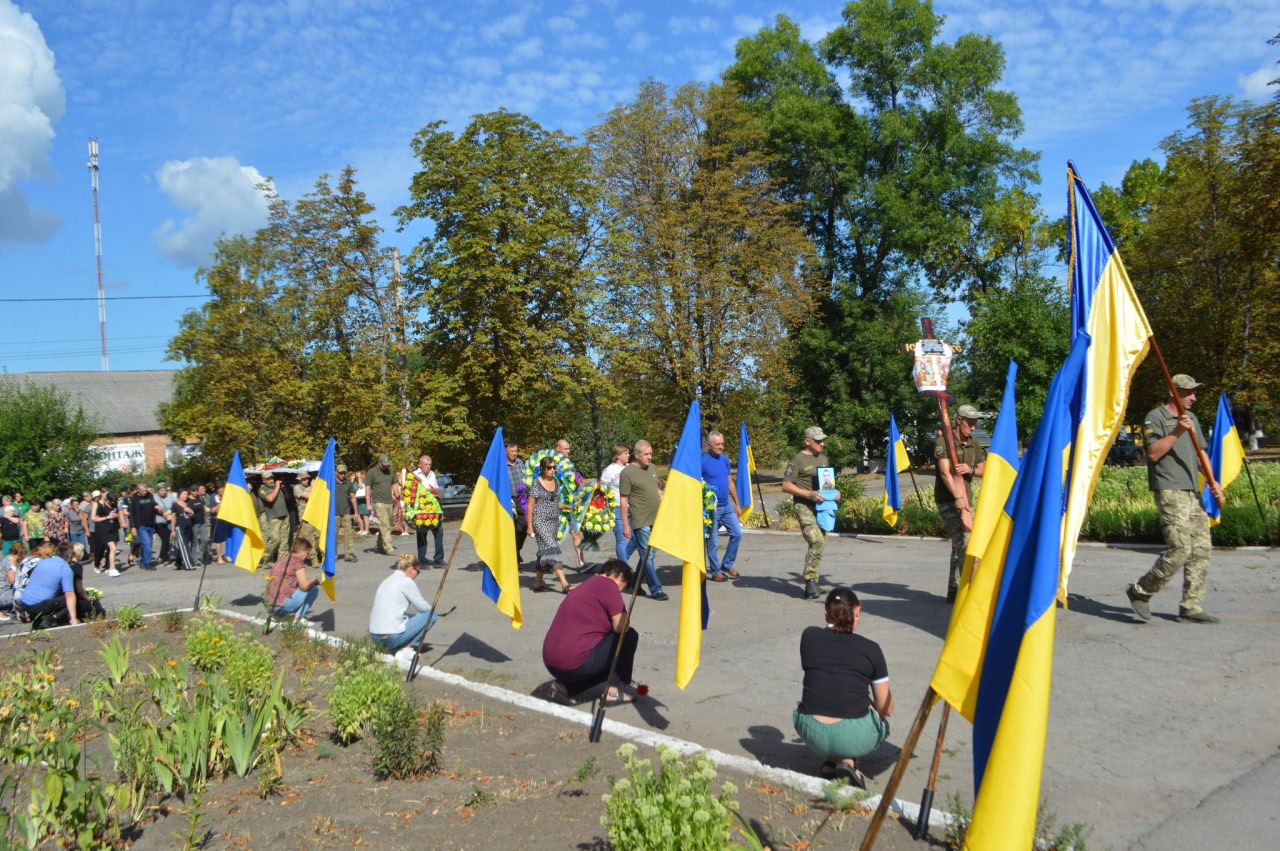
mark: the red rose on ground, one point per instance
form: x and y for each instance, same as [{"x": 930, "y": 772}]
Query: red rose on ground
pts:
[{"x": 642, "y": 690}]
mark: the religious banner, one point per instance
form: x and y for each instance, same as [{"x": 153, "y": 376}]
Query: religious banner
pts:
[{"x": 932, "y": 365}]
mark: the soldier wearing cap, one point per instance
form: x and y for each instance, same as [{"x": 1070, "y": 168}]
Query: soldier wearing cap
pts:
[
  {"x": 1173, "y": 476},
  {"x": 275, "y": 527},
  {"x": 952, "y": 491},
  {"x": 344, "y": 510},
  {"x": 383, "y": 490},
  {"x": 801, "y": 481}
]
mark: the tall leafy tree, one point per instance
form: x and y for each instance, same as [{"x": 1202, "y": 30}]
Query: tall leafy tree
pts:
[
  {"x": 902, "y": 179},
  {"x": 505, "y": 273},
  {"x": 705, "y": 265},
  {"x": 46, "y": 442}
]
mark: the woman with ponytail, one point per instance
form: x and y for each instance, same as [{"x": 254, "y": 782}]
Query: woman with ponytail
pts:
[{"x": 846, "y": 702}]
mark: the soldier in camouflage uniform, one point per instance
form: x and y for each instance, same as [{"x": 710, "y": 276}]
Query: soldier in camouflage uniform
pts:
[
  {"x": 952, "y": 491},
  {"x": 801, "y": 481},
  {"x": 1173, "y": 476}
]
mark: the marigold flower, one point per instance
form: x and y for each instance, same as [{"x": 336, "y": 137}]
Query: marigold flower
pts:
[{"x": 173, "y": 664}]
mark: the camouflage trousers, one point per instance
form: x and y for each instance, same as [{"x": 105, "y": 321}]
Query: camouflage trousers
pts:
[
  {"x": 1185, "y": 527},
  {"x": 275, "y": 538},
  {"x": 814, "y": 537},
  {"x": 959, "y": 540}
]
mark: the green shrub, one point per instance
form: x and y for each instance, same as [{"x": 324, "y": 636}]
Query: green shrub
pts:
[
  {"x": 406, "y": 745},
  {"x": 129, "y": 616},
  {"x": 248, "y": 666},
  {"x": 362, "y": 694},
  {"x": 673, "y": 808},
  {"x": 209, "y": 642}
]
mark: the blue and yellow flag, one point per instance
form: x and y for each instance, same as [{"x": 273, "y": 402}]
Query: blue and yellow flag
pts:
[
  {"x": 321, "y": 507},
  {"x": 678, "y": 531},
  {"x": 1105, "y": 308},
  {"x": 956, "y": 677},
  {"x": 746, "y": 468},
  {"x": 237, "y": 524},
  {"x": 1011, "y": 716},
  {"x": 1226, "y": 454},
  {"x": 489, "y": 523},
  {"x": 895, "y": 465}
]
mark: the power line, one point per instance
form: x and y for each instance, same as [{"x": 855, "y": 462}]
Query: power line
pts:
[{"x": 108, "y": 298}]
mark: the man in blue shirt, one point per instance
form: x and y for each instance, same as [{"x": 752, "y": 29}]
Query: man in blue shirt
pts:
[
  {"x": 50, "y": 593},
  {"x": 717, "y": 473}
]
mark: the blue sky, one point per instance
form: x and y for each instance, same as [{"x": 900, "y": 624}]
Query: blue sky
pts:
[{"x": 193, "y": 103}]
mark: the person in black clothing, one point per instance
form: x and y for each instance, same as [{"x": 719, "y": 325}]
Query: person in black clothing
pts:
[
  {"x": 142, "y": 508},
  {"x": 184, "y": 519},
  {"x": 844, "y": 709},
  {"x": 106, "y": 527}
]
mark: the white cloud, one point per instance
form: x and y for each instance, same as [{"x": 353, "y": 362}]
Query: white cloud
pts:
[
  {"x": 221, "y": 195},
  {"x": 31, "y": 102},
  {"x": 1258, "y": 84},
  {"x": 628, "y": 20},
  {"x": 561, "y": 24},
  {"x": 640, "y": 41},
  {"x": 508, "y": 27},
  {"x": 748, "y": 24},
  {"x": 530, "y": 48},
  {"x": 680, "y": 26}
]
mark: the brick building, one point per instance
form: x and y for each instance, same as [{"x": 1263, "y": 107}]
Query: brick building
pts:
[{"x": 124, "y": 402}]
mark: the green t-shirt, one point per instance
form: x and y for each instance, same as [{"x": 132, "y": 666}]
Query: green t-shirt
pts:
[
  {"x": 378, "y": 485},
  {"x": 968, "y": 452},
  {"x": 802, "y": 471},
  {"x": 640, "y": 486},
  {"x": 345, "y": 490},
  {"x": 1178, "y": 469},
  {"x": 278, "y": 509}
]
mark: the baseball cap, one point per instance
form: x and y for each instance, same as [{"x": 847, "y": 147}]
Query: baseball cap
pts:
[
  {"x": 342, "y": 468},
  {"x": 96, "y": 494},
  {"x": 969, "y": 412},
  {"x": 161, "y": 485},
  {"x": 1185, "y": 382},
  {"x": 266, "y": 477},
  {"x": 814, "y": 433},
  {"x": 383, "y": 459}
]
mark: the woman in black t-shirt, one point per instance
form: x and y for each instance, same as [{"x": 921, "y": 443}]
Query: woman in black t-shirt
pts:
[
  {"x": 106, "y": 526},
  {"x": 846, "y": 702}
]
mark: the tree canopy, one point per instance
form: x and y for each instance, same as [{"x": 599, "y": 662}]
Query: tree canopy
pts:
[{"x": 46, "y": 442}]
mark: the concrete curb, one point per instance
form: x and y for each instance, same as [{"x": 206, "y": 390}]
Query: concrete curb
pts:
[
  {"x": 1101, "y": 545},
  {"x": 803, "y": 782}
]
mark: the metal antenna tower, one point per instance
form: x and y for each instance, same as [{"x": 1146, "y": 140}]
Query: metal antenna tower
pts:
[{"x": 97, "y": 249}]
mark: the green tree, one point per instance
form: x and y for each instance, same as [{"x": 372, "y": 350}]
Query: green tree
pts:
[
  {"x": 46, "y": 442},
  {"x": 705, "y": 265},
  {"x": 505, "y": 274},
  {"x": 1201, "y": 242},
  {"x": 911, "y": 188}
]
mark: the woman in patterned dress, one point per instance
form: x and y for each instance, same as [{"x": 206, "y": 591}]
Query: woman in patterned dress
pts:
[{"x": 543, "y": 518}]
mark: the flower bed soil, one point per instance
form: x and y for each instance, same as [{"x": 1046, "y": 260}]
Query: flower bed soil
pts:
[{"x": 506, "y": 783}]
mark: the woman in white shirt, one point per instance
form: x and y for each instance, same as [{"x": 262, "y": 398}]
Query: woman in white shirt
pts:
[
  {"x": 390, "y": 623},
  {"x": 610, "y": 477}
]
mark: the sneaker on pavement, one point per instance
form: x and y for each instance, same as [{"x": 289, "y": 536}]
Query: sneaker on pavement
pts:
[
  {"x": 113, "y": 572},
  {"x": 660, "y": 596},
  {"x": 1141, "y": 607},
  {"x": 1197, "y": 617},
  {"x": 811, "y": 591}
]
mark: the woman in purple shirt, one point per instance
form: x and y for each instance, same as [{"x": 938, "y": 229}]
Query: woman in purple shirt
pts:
[{"x": 584, "y": 636}]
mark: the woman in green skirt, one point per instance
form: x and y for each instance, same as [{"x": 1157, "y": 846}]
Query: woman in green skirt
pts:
[{"x": 844, "y": 708}]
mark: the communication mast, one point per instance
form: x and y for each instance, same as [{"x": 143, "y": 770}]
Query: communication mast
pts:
[{"x": 97, "y": 249}]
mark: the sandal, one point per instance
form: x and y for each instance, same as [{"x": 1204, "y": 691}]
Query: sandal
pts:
[
  {"x": 848, "y": 772},
  {"x": 566, "y": 589},
  {"x": 538, "y": 589},
  {"x": 617, "y": 697},
  {"x": 561, "y": 694}
]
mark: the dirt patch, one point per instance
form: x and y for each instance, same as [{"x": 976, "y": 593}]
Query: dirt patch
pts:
[{"x": 512, "y": 778}]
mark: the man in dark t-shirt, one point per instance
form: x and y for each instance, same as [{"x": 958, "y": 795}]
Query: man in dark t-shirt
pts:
[
  {"x": 382, "y": 489},
  {"x": 143, "y": 508},
  {"x": 345, "y": 509},
  {"x": 952, "y": 491},
  {"x": 800, "y": 481}
]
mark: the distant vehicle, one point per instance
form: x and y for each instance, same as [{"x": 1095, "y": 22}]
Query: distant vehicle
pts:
[
  {"x": 452, "y": 493},
  {"x": 1125, "y": 452}
]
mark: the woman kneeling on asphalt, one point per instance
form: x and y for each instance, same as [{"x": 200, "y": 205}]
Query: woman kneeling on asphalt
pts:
[
  {"x": 846, "y": 701},
  {"x": 584, "y": 635},
  {"x": 291, "y": 591},
  {"x": 390, "y": 623}
]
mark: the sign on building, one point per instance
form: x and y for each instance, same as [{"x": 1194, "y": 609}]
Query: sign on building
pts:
[{"x": 125, "y": 457}]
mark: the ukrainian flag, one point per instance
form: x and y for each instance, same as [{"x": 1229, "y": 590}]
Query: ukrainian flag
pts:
[
  {"x": 1011, "y": 717},
  {"x": 238, "y": 522},
  {"x": 956, "y": 677},
  {"x": 1226, "y": 455},
  {"x": 489, "y": 523},
  {"x": 1104, "y": 308},
  {"x": 895, "y": 464},
  {"x": 746, "y": 466},
  {"x": 321, "y": 508},
  {"x": 678, "y": 531}
]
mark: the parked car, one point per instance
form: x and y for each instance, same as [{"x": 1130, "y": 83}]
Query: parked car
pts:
[
  {"x": 452, "y": 493},
  {"x": 1124, "y": 452}
]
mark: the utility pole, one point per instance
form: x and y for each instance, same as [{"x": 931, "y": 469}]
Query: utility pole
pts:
[
  {"x": 402, "y": 357},
  {"x": 97, "y": 249}
]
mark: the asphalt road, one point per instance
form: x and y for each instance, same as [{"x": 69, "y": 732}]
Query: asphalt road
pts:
[{"x": 1161, "y": 735}]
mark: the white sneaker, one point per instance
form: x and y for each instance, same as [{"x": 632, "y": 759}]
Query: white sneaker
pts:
[{"x": 113, "y": 572}]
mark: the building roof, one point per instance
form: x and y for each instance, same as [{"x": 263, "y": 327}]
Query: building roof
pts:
[{"x": 123, "y": 401}]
